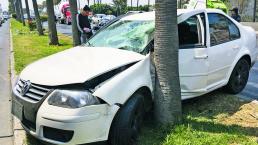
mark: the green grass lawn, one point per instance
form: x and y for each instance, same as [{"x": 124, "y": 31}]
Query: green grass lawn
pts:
[
  {"x": 213, "y": 119},
  {"x": 29, "y": 47}
]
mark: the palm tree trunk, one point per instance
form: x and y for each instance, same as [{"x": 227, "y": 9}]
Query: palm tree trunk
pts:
[
  {"x": 21, "y": 12},
  {"x": 88, "y": 2},
  {"x": 167, "y": 88},
  {"x": 17, "y": 10},
  {"x": 27, "y": 9},
  {"x": 132, "y": 4},
  {"x": 254, "y": 13},
  {"x": 73, "y": 8},
  {"x": 94, "y": 2},
  {"x": 13, "y": 6},
  {"x": 137, "y": 4},
  {"x": 37, "y": 16},
  {"x": 148, "y": 5},
  {"x": 52, "y": 34}
]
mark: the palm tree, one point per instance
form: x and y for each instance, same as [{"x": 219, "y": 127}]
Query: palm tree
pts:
[
  {"x": 167, "y": 94},
  {"x": 27, "y": 9},
  {"x": 37, "y": 16},
  {"x": 88, "y": 2},
  {"x": 21, "y": 12},
  {"x": 17, "y": 10},
  {"x": 120, "y": 5},
  {"x": 73, "y": 8},
  {"x": 148, "y": 5},
  {"x": 137, "y": 4},
  {"x": 52, "y": 34},
  {"x": 254, "y": 12}
]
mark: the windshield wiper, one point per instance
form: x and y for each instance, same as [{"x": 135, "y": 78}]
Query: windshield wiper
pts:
[{"x": 89, "y": 44}]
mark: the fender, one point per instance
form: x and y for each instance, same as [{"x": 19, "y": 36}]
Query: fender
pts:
[
  {"x": 121, "y": 87},
  {"x": 243, "y": 52}
]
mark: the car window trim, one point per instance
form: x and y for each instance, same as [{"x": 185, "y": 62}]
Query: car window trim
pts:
[
  {"x": 201, "y": 28},
  {"x": 218, "y": 43}
]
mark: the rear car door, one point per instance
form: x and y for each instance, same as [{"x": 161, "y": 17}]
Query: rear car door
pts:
[
  {"x": 193, "y": 56},
  {"x": 225, "y": 43}
]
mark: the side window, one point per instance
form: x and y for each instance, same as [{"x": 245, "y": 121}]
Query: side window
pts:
[
  {"x": 221, "y": 29},
  {"x": 233, "y": 31},
  {"x": 190, "y": 33}
]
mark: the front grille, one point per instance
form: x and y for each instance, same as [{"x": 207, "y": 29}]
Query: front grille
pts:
[{"x": 35, "y": 92}]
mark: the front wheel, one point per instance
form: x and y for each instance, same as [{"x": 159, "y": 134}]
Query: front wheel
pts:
[
  {"x": 126, "y": 125},
  {"x": 239, "y": 77}
]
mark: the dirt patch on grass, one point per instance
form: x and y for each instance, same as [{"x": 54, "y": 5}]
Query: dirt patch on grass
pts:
[{"x": 247, "y": 116}]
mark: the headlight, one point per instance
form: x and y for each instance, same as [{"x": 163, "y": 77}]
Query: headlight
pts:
[{"x": 72, "y": 99}]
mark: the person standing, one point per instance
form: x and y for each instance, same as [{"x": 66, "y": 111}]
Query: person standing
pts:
[
  {"x": 235, "y": 15},
  {"x": 83, "y": 24}
]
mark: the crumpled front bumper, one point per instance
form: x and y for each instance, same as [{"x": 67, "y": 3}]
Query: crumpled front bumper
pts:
[{"x": 65, "y": 126}]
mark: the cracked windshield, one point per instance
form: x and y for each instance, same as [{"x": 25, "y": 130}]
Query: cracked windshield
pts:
[{"x": 125, "y": 34}]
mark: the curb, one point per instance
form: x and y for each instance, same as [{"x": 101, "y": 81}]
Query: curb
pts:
[{"x": 18, "y": 132}]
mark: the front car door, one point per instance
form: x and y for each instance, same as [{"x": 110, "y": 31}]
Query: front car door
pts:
[
  {"x": 193, "y": 56},
  {"x": 224, "y": 45}
]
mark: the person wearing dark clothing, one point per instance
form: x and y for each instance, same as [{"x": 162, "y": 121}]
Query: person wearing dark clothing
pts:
[
  {"x": 84, "y": 25},
  {"x": 235, "y": 15}
]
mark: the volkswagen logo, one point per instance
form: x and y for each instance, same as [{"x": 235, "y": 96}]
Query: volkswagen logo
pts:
[{"x": 25, "y": 88}]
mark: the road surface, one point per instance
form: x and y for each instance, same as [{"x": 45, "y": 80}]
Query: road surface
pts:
[
  {"x": 61, "y": 28},
  {"x": 6, "y": 131},
  {"x": 251, "y": 90}
]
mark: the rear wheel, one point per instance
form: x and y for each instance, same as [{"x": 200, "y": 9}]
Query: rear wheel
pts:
[
  {"x": 239, "y": 77},
  {"x": 127, "y": 123}
]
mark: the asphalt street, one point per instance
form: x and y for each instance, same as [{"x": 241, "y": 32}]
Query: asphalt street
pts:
[
  {"x": 61, "y": 28},
  {"x": 251, "y": 90},
  {"x": 6, "y": 131}
]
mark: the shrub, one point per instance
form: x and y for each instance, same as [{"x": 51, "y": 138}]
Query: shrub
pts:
[{"x": 14, "y": 15}]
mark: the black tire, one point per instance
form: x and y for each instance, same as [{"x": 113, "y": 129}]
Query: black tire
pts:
[
  {"x": 239, "y": 77},
  {"x": 127, "y": 123}
]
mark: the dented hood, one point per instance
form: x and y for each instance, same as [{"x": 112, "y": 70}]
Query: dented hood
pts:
[{"x": 77, "y": 65}]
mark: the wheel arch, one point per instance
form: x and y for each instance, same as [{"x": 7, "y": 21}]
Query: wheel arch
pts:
[
  {"x": 148, "y": 97},
  {"x": 247, "y": 57}
]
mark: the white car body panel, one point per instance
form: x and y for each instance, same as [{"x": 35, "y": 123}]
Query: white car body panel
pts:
[
  {"x": 77, "y": 65},
  {"x": 198, "y": 76},
  {"x": 127, "y": 83}
]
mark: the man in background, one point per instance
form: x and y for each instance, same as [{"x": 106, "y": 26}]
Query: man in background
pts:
[
  {"x": 83, "y": 24},
  {"x": 235, "y": 15}
]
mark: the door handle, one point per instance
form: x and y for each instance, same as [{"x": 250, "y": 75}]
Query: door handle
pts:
[
  {"x": 235, "y": 47},
  {"x": 201, "y": 57}
]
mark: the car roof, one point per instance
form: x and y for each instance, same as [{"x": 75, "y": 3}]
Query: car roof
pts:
[{"x": 185, "y": 12}]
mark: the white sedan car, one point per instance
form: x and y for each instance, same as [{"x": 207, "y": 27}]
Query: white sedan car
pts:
[{"x": 100, "y": 91}]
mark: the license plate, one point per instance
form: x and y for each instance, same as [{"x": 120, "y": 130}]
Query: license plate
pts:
[{"x": 17, "y": 110}]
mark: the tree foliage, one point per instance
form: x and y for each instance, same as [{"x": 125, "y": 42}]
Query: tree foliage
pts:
[{"x": 112, "y": 10}]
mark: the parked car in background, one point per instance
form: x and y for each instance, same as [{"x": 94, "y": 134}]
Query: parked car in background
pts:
[
  {"x": 100, "y": 91},
  {"x": 96, "y": 19},
  {"x": 1, "y": 19},
  {"x": 6, "y": 15},
  {"x": 134, "y": 12},
  {"x": 109, "y": 17},
  {"x": 217, "y": 4},
  {"x": 105, "y": 20}
]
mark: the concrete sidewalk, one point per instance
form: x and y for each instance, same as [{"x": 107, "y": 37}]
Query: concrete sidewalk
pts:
[{"x": 6, "y": 129}]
